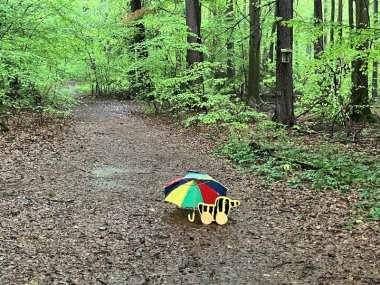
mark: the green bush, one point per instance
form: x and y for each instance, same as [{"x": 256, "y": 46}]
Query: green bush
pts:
[{"x": 328, "y": 168}]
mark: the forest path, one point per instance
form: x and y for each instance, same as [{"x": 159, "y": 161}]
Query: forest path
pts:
[{"x": 88, "y": 209}]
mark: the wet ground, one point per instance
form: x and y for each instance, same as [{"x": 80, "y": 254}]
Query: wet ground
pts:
[{"x": 86, "y": 207}]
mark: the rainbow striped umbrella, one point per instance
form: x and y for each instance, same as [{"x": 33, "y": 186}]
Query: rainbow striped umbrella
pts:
[{"x": 194, "y": 188}]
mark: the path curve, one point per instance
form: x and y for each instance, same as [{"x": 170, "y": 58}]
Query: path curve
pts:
[{"x": 88, "y": 209}]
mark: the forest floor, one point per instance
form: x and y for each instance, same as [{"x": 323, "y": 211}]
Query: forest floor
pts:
[{"x": 83, "y": 203}]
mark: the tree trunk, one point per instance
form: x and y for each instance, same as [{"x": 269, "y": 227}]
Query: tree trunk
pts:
[
  {"x": 140, "y": 34},
  {"x": 218, "y": 73},
  {"x": 284, "y": 111},
  {"x": 213, "y": 9},
  {"x": 325, "y": 20},
  {"x": 135, "y": 5},
  {"x": 309, "y": 49},
  {"x": 340, "y": 18},
  {"x": 271, "y": 48},
  {"x": 193, "y": 21},
  {"x": 351, "y": 25},
  {"x": 318, "y": 18},
  {"x": 230, "y": 44},
  {"x": 359, "y": 97},
  {"x": 254, "y": 53},
  {"x": 332, "y": 21},
  {"x": 139, "y": 78},
  {"x": 375, "y": 63},
  {"x": 351, "y": 13}
]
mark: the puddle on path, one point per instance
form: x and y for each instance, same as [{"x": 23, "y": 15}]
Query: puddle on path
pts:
[
  {"x": 111, "y": 177},
  {"x": 105, "y": 184},
  {"x": 110, "y": 171},
  {"x": 105, "y": 177}
]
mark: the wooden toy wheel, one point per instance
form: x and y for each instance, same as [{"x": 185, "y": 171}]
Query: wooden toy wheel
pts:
[
  {"x": 221, "y": 218},
  {"x": 206, "y": 218}
]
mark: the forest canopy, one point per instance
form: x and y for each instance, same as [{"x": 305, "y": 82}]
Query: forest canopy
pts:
[{"x": 219, "y": 57}]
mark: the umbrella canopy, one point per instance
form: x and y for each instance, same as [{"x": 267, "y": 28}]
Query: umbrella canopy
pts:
[{"x": 194, "y": 188}]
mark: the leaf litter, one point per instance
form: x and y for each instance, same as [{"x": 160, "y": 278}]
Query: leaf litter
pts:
[{"x": 82, "y": 204}]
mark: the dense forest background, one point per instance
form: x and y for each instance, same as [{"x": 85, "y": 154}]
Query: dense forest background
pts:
[{"x": 225, "y": 62}]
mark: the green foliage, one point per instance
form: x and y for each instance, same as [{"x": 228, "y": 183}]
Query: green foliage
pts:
[
  {"x": 223, "y": 110},
  {"x": 325, "y": 168},
  {"x": 203, "y": 90},
  {"x": 35, "y": 50},
  {"x": 83, "y": 88},
  {"x": 325, "y": 84},
  {"x": 256, "y": 161},
  {"x": 59, "y": 101},
  {"x": 197, "y": 89},
  {"x": 43, "y": 45},
  {"x": 149, "y": 110},
  {"x": 102, "y": 45}
]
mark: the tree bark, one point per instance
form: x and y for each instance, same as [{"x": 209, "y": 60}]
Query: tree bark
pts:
[
  {"x": 140, "y": 33},
  {"x": 375, "y": 62},
  {"x": 351, "y": 13},
  {"x": 135, "y": 5},
  {"x": 230, "y": 44},
  {"x": 325, "y": 19},
  {"x": 361, "y": 110},
  {"x": 340, "y": 18},
  {"x": 318, "y": 18},
  {"x": 284, "y": 111},
  {"x": 351, "y": 25},
  {"x": 254, "y": 53},
  {"x": 332, "y": 21},
  {"x": 193, "y": 21},
  {"x": 271, "y": 47},
  {"x": 139, "y": 78}
]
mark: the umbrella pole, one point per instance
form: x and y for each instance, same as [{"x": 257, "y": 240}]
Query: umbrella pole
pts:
[{"x": 191, "y": 217}]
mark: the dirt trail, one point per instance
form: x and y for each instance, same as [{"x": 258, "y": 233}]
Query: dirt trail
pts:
[{"x": 87, "y": 209}]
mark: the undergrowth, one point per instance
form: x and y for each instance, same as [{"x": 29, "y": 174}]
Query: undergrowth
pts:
[{"x": 327, "y": 167}]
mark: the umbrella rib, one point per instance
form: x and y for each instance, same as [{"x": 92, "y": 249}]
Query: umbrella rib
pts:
[{"x": 195, "y": 198}]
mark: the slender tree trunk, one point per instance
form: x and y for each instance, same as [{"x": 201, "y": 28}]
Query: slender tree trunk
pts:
[
  {"x": 254, "y": 53},
  {"x": 351, "y": 13},
  {"x": 230, "y": 44},
  {"x": 243, "y": 54},
  {"x": 271, "y": 47},
  {"x": 284, "y": 111},
  {"x": 332, "y": 21},
  {"x": 140, "y": 82},
  {"x": 193, "y": 21},
  {"x": 214, "y": 14},
  {"x": 351, "y": 25},
  {"x": 340, "y": 18},
  {"x": 135, "y": 5},
  {"x": 309, "y": 50},
  {"x": 360, "y": 97},
  {"x": 140, "y": 34},
  {"x": 325, "y": 19},
  {"x": 219, "y": 73},
  {"x": 375, "y": 62},
  {"x": 318, "y": 18}
]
